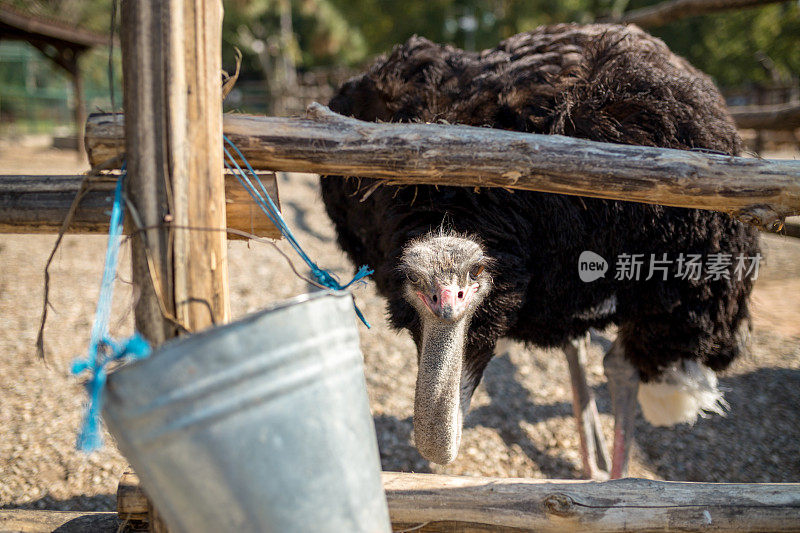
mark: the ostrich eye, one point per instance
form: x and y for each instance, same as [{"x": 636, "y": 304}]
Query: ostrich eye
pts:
[
  {"x": 413, "y": 278},
  {"x": 475, "y": 272}
]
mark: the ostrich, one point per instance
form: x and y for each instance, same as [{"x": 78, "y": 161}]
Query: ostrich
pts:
[{"x": 463, "y": 268}]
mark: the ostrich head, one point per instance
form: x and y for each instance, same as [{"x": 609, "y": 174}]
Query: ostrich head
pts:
[{"x": 446, "y": 280}]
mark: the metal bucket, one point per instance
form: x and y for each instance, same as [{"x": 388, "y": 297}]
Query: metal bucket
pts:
[{"x": 261, "y": 425}]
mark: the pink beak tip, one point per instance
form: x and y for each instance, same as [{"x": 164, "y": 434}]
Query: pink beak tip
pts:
[{"x": 457, "y": 298}]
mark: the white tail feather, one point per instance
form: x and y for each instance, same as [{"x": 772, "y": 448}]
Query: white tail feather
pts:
[{"x": 683, "y": 392}]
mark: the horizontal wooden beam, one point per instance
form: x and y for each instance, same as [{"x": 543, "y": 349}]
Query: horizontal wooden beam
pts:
[
  {"x": 760, "y": 191},
  {"x": 672, "y": 10},
  {"x": 39, "y": 204},
  {"x": 24, "y": 25},
  {"x": 458, "y": 503},
  {"x": 767, "y": 117}
]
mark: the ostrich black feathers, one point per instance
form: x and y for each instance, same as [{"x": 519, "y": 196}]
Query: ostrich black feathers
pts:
[{"x": 600, "y": 82}]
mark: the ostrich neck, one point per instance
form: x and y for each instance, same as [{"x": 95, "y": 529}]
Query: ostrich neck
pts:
[
  {"x": 437, "y": 409},
  {"x": 443, "y": 340}
]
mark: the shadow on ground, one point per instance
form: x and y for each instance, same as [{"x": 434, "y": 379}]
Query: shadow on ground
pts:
[
  {"x": 764, "y": 416},
  {"x": 99, "y": 502},
  {"x": 511, "y": 400},
  {"x": 397, "y": 450},
  {"x": 300, "y": 220}
]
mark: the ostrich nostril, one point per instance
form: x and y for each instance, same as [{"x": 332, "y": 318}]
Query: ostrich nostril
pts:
[
  {"x": 435, "y": 298},
  {"x": 460, "y": 295}
]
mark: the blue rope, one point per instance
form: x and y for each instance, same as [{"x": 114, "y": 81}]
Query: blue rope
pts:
[
  {"x": 263, "y": 200},
  {"x": 102, "y": 348}
]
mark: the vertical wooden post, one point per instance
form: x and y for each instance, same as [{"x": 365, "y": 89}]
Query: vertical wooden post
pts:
[
  {"x": 201, "y": 287},
  {"x": 79, "y": 110},
  {"x": 171, "y": 60},
  {"x": 171, "y": 69},
  {"x": 143, "y": 39}
]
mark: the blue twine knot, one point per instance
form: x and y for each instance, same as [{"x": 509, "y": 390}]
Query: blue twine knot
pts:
[
  {"x": 326, "y": 278},
  {"x": 264, "y": 201},
  {"x": 103, "y": 350}
]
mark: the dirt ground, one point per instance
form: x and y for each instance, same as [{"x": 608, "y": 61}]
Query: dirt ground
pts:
[{"x": 520, "y": 423}]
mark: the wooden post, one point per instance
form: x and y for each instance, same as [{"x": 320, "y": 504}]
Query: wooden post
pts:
[
  {"x": 171, "y": 70},
  {"x": 144, "y": 79},
  {"x": 79, "y": 106},
  {"x": 171, "y": 58},
  {"x": 200, "y": 261}
]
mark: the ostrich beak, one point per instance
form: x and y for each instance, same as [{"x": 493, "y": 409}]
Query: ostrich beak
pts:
[{"x": 449, "y": 301}]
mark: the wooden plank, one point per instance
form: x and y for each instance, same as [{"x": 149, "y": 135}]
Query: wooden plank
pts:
[
  {"x": 672, "y": 10},
  {"x": 767, "y": 117},
  {"x": 194, "y": 111},
  {"x": 619, "y": 505},
  {"x": 23, "y": 25},
  {"x": 171, "y": 71},
  {"x": 453, "y": 527},
  {"x": 144, "y": 77},
  {"x": 39, "y": 204},
  {"x": 28, "y": 521},
  {"x": 760, "y": 191},
  {"x": 243, "y": 214},
  {"x": 131, "y": 500},
  {"x": 432, "y": 502}
]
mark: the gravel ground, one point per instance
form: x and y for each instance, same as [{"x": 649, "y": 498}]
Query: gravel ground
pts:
[{"x": 520, "y": 424}]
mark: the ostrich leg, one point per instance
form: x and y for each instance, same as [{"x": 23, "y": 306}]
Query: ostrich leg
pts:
[
  {"x": 594, "y": 451},
  {"x": 623, "y": 382}
]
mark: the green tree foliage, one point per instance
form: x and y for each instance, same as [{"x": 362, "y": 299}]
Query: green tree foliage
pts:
[
  {"x": 741, "y": 47},
  {"x": 733, "y": 47},
  {"x": 94, "y": 15},
  {"x": 736, "y": 48},
  {"x": 319, "y": 32}
]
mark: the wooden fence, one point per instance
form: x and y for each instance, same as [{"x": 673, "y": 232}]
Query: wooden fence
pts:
[{"x": 172, "y": 141}]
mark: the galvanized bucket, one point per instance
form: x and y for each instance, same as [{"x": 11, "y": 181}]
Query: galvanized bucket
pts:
[{"x": 261, "y": 425}]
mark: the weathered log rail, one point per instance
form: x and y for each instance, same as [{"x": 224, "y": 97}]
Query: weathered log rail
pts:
[
  {"x": 759, "y": 191},
  {"x": 767, "y": 117},
  {"x": 39, "y": 204},
  {"x": 672, "y": 10},
  {"x": 457, "y": 503}
]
